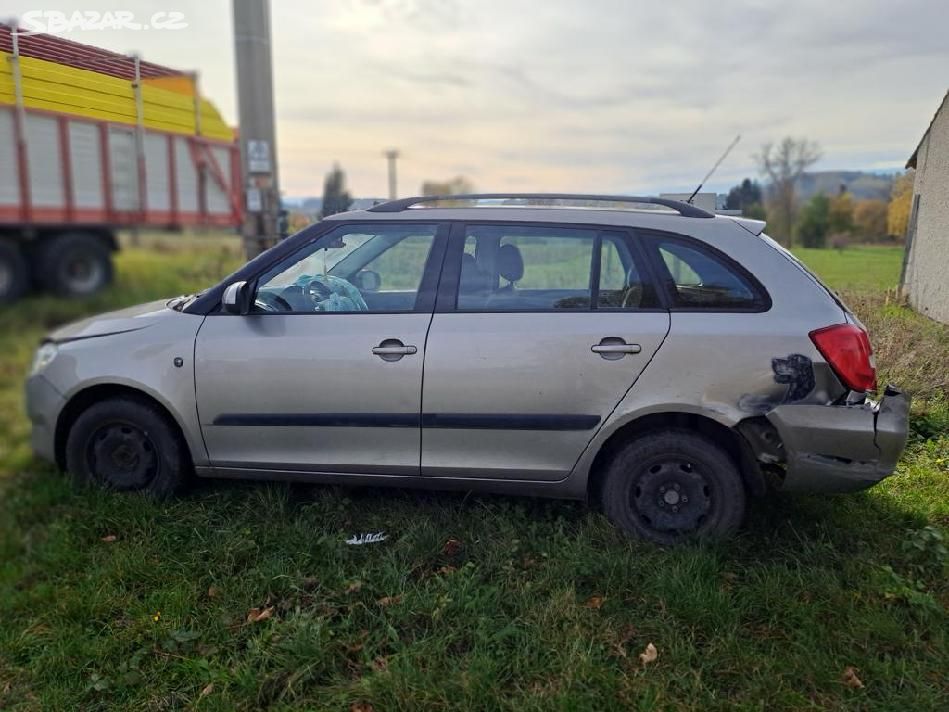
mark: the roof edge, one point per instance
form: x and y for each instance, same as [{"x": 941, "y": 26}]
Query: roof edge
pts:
[{"x": 911, "y": 161}]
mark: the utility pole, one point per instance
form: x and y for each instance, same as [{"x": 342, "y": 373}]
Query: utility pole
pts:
[
  {"x": 392, "y": 156},
  {"x": 256, "y": 119}
]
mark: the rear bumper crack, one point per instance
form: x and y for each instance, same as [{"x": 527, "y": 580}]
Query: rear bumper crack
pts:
[{"x": 839, "y": 448}]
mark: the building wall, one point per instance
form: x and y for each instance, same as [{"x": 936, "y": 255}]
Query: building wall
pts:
[{"x": 927, "y": 268}]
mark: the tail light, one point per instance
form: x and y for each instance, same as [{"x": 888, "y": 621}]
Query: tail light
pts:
[{"x": 847, "y": 349}]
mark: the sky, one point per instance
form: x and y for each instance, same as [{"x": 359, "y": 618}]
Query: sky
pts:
[{"x": 601, "y": 96}]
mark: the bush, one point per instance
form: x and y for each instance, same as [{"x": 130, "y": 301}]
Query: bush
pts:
[{"x": 814, "y": 221}]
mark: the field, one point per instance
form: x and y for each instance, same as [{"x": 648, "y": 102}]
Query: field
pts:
[{"x": 246, "y": 596}]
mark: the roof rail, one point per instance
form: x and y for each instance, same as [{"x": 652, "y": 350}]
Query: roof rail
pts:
[{"x": 684, "y": 209}]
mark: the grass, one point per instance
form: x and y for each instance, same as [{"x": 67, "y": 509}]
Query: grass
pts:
[
  {"x": 247, "y": 597},
  {"x": 855, "y": 268}
]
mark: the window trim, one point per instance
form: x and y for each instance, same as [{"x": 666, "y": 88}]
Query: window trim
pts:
[
  {"x": 428, "y": 285},
  {"x": 449, "y": 285},
  {"x": 665, "y": 285}
]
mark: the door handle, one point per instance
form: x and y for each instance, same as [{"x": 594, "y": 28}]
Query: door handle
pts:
[
  {"x": 613, "y": 348},
  {"x": 393, "y": 350}
]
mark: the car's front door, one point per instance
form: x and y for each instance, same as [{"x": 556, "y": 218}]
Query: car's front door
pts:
[
  {"x": 325, "y": 373},
  {"x": 546, "y": 332}
]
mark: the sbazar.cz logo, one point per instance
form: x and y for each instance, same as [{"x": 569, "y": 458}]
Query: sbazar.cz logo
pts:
[{"x": 55, "y": 22}]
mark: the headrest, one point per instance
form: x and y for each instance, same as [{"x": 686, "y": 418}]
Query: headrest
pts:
[{"x": 510, "y": 263}]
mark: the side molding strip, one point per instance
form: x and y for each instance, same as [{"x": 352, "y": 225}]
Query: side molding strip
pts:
[{"x": 452, "y": 421}]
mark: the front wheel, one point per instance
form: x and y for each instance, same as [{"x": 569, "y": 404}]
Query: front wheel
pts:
[
  {"x": 672, "y": 485},
  {"x": 127, "y": 445}
]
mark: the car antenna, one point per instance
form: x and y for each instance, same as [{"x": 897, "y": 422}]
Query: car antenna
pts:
[{"x": 717, "y": 164}]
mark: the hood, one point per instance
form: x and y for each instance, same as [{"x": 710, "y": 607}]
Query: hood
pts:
[{"x": 117, "y": 322}]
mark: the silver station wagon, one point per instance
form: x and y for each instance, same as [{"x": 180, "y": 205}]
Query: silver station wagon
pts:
[{"x": 660, "y": 361}]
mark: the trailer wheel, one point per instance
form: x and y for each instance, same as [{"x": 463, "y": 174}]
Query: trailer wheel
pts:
[
  {"x": 14, "y": 273},
  {"x": 73, "y": 264}
]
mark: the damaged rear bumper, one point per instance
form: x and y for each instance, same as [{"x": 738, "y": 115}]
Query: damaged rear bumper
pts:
[{"x": 839, "y": 448}]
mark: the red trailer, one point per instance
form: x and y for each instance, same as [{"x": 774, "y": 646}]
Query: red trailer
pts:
[{"x": 90, "y": 142}]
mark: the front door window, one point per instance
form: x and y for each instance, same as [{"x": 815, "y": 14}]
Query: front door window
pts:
[{"x": 352, "y": 269}]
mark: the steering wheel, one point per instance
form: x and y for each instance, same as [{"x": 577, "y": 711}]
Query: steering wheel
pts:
[{"x": 270, "y": 302}]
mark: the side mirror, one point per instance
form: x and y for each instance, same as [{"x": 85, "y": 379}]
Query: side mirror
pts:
[
  {"x": 236, "y": 298},
  {"x": 367, "y": 281}
]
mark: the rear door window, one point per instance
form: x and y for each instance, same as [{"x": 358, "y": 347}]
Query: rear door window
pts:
[{"x": 527, "y": 268}]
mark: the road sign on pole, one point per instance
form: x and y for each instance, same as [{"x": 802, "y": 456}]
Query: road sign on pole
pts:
[{"x": 257, "y": 132}]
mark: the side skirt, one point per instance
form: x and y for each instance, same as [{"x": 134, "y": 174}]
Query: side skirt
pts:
[{"x": 569, "y": 488}]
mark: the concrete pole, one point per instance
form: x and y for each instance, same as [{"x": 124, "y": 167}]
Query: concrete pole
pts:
[
  {"x": 392, "y": 155},
  {"x": 258, "y": 136}
]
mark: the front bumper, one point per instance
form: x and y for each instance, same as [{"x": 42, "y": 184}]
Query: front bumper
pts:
[
  {"x": 43, "y": 405},
  {"x": 832, "y": 448}
]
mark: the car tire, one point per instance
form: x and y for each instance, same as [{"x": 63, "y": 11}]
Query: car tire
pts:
[
  {"x": 14, "y": 273},
  {"x": 670, "y": 486},
  {"x": 127, "y": 445},
  {"x": 73, "y": 264}
]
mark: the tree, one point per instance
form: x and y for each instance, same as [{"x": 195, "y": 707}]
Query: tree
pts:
[
  {"x": 744, "y": 195},
  {"x": 459, "y": 185},
  {"x": 841, "y": 212},
  {"x": 297, "y": 220},
  {"x": 901, "y": 202},
  {"x": 870, "y": 219},
  {"x": 336, "y": 199},
  {"x": 783, "y": 165},
  {"x": 814, "y": 221}
]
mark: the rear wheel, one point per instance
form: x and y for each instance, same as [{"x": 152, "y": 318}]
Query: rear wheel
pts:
[
  {"x": 672, "y": 485},
  {"x": 129, "y": 446},
  {"x": 14, "y": 274},
  {"x": 74, "y": 264}
]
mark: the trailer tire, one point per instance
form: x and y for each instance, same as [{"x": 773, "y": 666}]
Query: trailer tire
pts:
[
  {"x": 14, "y": 272},
  {"x": 74, "y": 264}
]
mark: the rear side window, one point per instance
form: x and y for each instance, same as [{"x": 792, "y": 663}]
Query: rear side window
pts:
[{"x": 698, "y": 278}]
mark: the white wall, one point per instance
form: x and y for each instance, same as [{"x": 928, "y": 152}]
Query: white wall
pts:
[{"x": 927, "y": 268}]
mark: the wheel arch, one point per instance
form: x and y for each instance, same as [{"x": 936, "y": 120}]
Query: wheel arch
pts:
[
  {"x": 79, "y": 402},
  {"x": 728, "y": 437}
]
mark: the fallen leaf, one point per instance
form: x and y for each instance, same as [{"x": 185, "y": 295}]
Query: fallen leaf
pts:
[
  {"x": 354, "y": 587},
  {"x": 850, "y": 679},
  {"x": 256, "y": 615},
  {"x": 208, "y": 689},
  {"x": 649, "y": 655},
  {"x": 594, "y": 602},
  {"x": 447, "y": 570},
  {"x": 451, "y": 547},
  {"x": 361, "y": 707},
  {"x": 110, "y": 538},
  {"x": 380, "y": 664},
  {"x": 213, "y": 592},
  {"x": 389, "y": 600}
]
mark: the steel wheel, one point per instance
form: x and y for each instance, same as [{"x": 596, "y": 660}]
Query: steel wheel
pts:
[
  {"x": 672, "y": 485},
  {"x": 673, "y": 496},
  {"x": 121, "y": 456}
]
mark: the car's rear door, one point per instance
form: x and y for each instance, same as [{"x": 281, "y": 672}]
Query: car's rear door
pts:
[
  {"x": 324, "y": 377},
  {"x": 538, "y": 334}
]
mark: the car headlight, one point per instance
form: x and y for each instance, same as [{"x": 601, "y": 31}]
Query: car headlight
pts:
[{"x": 44, "y": 355}]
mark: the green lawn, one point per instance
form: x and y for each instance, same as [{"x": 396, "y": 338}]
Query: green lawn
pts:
[
  {"x": 245, "y": 596},
  {"x": 856, "y": 267}
]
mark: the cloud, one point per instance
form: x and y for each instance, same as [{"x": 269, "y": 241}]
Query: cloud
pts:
[{"x": 603, "y": 95}]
